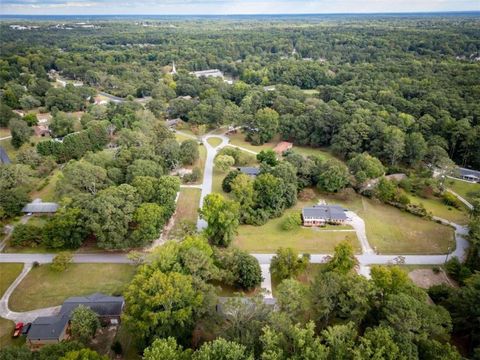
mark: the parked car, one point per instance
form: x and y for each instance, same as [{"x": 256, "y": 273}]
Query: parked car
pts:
[
  {"x": 18, "y": 330},
  {"x": 26, "y": 329}
]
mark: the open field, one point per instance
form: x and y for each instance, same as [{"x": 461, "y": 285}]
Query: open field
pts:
[
  {"x": 214, "y": 141},
  {"x": 392, "y": 231},
  {"x": 436, "y": 207},
  {"x": 238, "y": 139},
  {"x": 6, "y": 329},
  {"x": 308, "y": 151},
  {"x": 187, "y": 206},
  {"x": 43, "y": 287},
  {"x": 463, "y": 188},
  {"x": 181, "y": 137},
  {"x": 217, "y": 180},
  {"x": 46, "y": 192},
  {"x": 269, "y": 237}
]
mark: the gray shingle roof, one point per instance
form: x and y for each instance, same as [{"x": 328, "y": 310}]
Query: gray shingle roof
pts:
[
  {"x": 325, "y": 212},
  {"x": 252, "y": 171},
  {"x": 40, "y": 207},
  {"x": 469, "y": 172},
  {"x": 103, "y": 305},
  {"x": 47, "y": 327}
]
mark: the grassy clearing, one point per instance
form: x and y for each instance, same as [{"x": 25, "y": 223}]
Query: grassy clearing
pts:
[
  {"x": 238, "y": 139},
  {"x": 9, "y": 272},
  {"x": 214, "y": 141},
  {"x": 269, "y": 237},
  {"x": 463, "y": 188},
  {"x": 309, "y": 151},
  {"x": 436, "y": 207},
  {"x": 217, "y": 180},
  {"x": 4, "y": 132},
  {"x": 393, "y": 231},
  {"x": 306, "y": 277},
  {"x": 46, "y": 187},
  {"x": 310, "y": 91},
  {"x": 43, "y": 287},
  {"x": 181, "y": 137},
  {"x": 6, "y": 329},
  {"x": 187, "y": 207}
]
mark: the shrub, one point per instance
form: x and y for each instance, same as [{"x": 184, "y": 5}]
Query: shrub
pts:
[
  {"x": 117, "y": 347},
  {"x": 61, "y": 261},
  {"x": 193, "y": 176},
  {"x": 436, "y": 269},
  {"x": 292, "y": 221},
  {"x": 227, "y": 181},
  {"x": 450, "y": 200}
]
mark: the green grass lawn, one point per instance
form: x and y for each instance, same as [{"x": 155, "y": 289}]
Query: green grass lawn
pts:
[
  {"x": 214, "y": 141},
  {"x": 308, "y": 151},
  {"x": 393, "y": 231},
  {"x": 6, "y": 330},
  {"x": 9, "y": 272},
  {"x": 4, "y": 132},
  {"x": 238, "y": 139},
  {"x": 269, "y": 237},
  {"x": 180, "y": 137},
  {"x": 43, "y": 287},
  {"x": 436, "y": 207},
  {"x": 217, "y": 180},
  {"x": 45, "y": 189},
  {"x": 187, "y": 207},
  {"x": 463, "y": 188},
  {"x": 310, "y": 91}
]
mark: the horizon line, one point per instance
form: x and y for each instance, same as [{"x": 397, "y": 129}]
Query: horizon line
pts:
[{"x": 263, "y": 14}]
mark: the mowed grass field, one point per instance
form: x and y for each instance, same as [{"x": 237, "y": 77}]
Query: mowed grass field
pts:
[
  {"x": 187, "y": 206},
  {"x": 463, "y": 188},
  {"x": 8, "y": 273},
  {"x": 436, "y": 207},
  {"x": 214, "y": 141},
  {"x": 238, "y": 139},
  {"x": 392, "y": 231},
  {"x": 45, "y": 189},
  {"x": 43, "y": 287},
  {"x": 269, "y": 237}
]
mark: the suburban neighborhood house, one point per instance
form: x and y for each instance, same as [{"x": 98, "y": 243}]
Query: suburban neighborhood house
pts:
[
  {"x": 320, "y": 215},
  {"x": 47, "y": 330},
  {"x": 40, "y": 208},
  {"x": 282, "y": 147},
  {"x": 250, "y": 171},
  {"x": 469, "y": 174},
  {"x": 208, "y": 73}
]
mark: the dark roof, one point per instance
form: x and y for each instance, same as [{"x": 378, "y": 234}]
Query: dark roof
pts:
[
  {"x": 469, "y": 172},
  {"x": 48, "y": 327},
  {"x": 4, "y": 159},
  {"x": 252, "y": 171},
  {"x": 40, "y": 207},
  {"x": 326, "y": 212},
  {"x": 103, "y": 305}
]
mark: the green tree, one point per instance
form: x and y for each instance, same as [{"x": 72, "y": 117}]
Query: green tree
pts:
[
  {"x": 224, "y": 162},
  {"x": 343, "y": 260},
  {"x": 221, "y": 349},
  {"x": 61, "y": 261},
  {"x": 378, "y": 343},
  {"x": 394, "y": 144},
  {"x": 222, "y": 218},
  {"x": 30, "y": 119},
  {"x": 84, "y": 323},
  {"x": 364, "y": 166},
  {"x": 81, "y": 176},
  {"x": 415, "y": 148},
  {"x": 62, "y": 124},
  {"x": 20, "y": 131},
  {"x": 340, "y": 340},
  {"x": 65, "y": 229},
  {"x": 287, "y": 264},
  {"x": 166, "y": 349},
  {"x": 162, "y": 304},
  {"x": 333, "y": 176},
  {"x": 268, "y": 157},
  {"x": 189, "y": 152},
  {"x": 263, "y": 127},
  {"x": 149, "y": 219},
  {"x": 84, "y": 354}
]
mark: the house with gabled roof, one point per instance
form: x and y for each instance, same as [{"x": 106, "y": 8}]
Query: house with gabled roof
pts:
[{"x": 320, "y": 215}]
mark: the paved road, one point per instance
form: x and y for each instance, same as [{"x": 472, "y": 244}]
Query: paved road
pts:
[
  {"x": 5, "y": 138},
  {"x": 113, "y": 98}
]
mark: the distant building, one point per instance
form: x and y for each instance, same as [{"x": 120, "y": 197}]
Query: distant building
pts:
[
  {"x": 282, "y": 147},
  {"x": 173, "y": 122},
  {"x": 47, "y": 330},
  {"x": 468, "y": 174},
  {"x": 39, "y": 207},
  {"x": 208, "y": 73},
  {"x": 4, "y": 159},
  {"x": 41, "y": 130},
  {"x": 250, "y": 171},
  {"x": 320, "y": 215}
]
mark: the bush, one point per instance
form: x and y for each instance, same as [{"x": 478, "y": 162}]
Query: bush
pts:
[
  {"x": 239, "y": 268},
  {"x": 450, "y": 200},
  {"x": 292, "y": 221},
  {"x": 227, "y": 181},
  {"x": 26, "y": 235},
  {"x": 61, "y": 260},
  {"x": 436, "y": 269},
  {"x": 457, "y": 270},
  {"x": 193, "y": 176},
  {"x": 117, "y": 347}
]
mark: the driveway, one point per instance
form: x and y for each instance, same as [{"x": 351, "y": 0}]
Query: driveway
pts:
[{"x": 359, "y": 225}]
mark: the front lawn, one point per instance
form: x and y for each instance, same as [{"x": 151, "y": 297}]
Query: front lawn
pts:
[
  {"x": 238, "y": 139},
  {"x": 309, "y": 151},
  {"x": 463, "y": 188},
  {"x": 43, "y": 287},
  {"x": 269, "y": 237},
  {"x": 392, "y": 231},
  {"x": 187, "y": 207},
  {"x": 6, "y": 330},
  {"x": 9, "y": 272}
]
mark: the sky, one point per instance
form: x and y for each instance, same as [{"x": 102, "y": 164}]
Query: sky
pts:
[{"x": 225, "y": 7}]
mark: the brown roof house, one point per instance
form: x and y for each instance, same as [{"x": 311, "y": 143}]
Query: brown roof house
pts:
[{"x": 282, "y": 147}]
